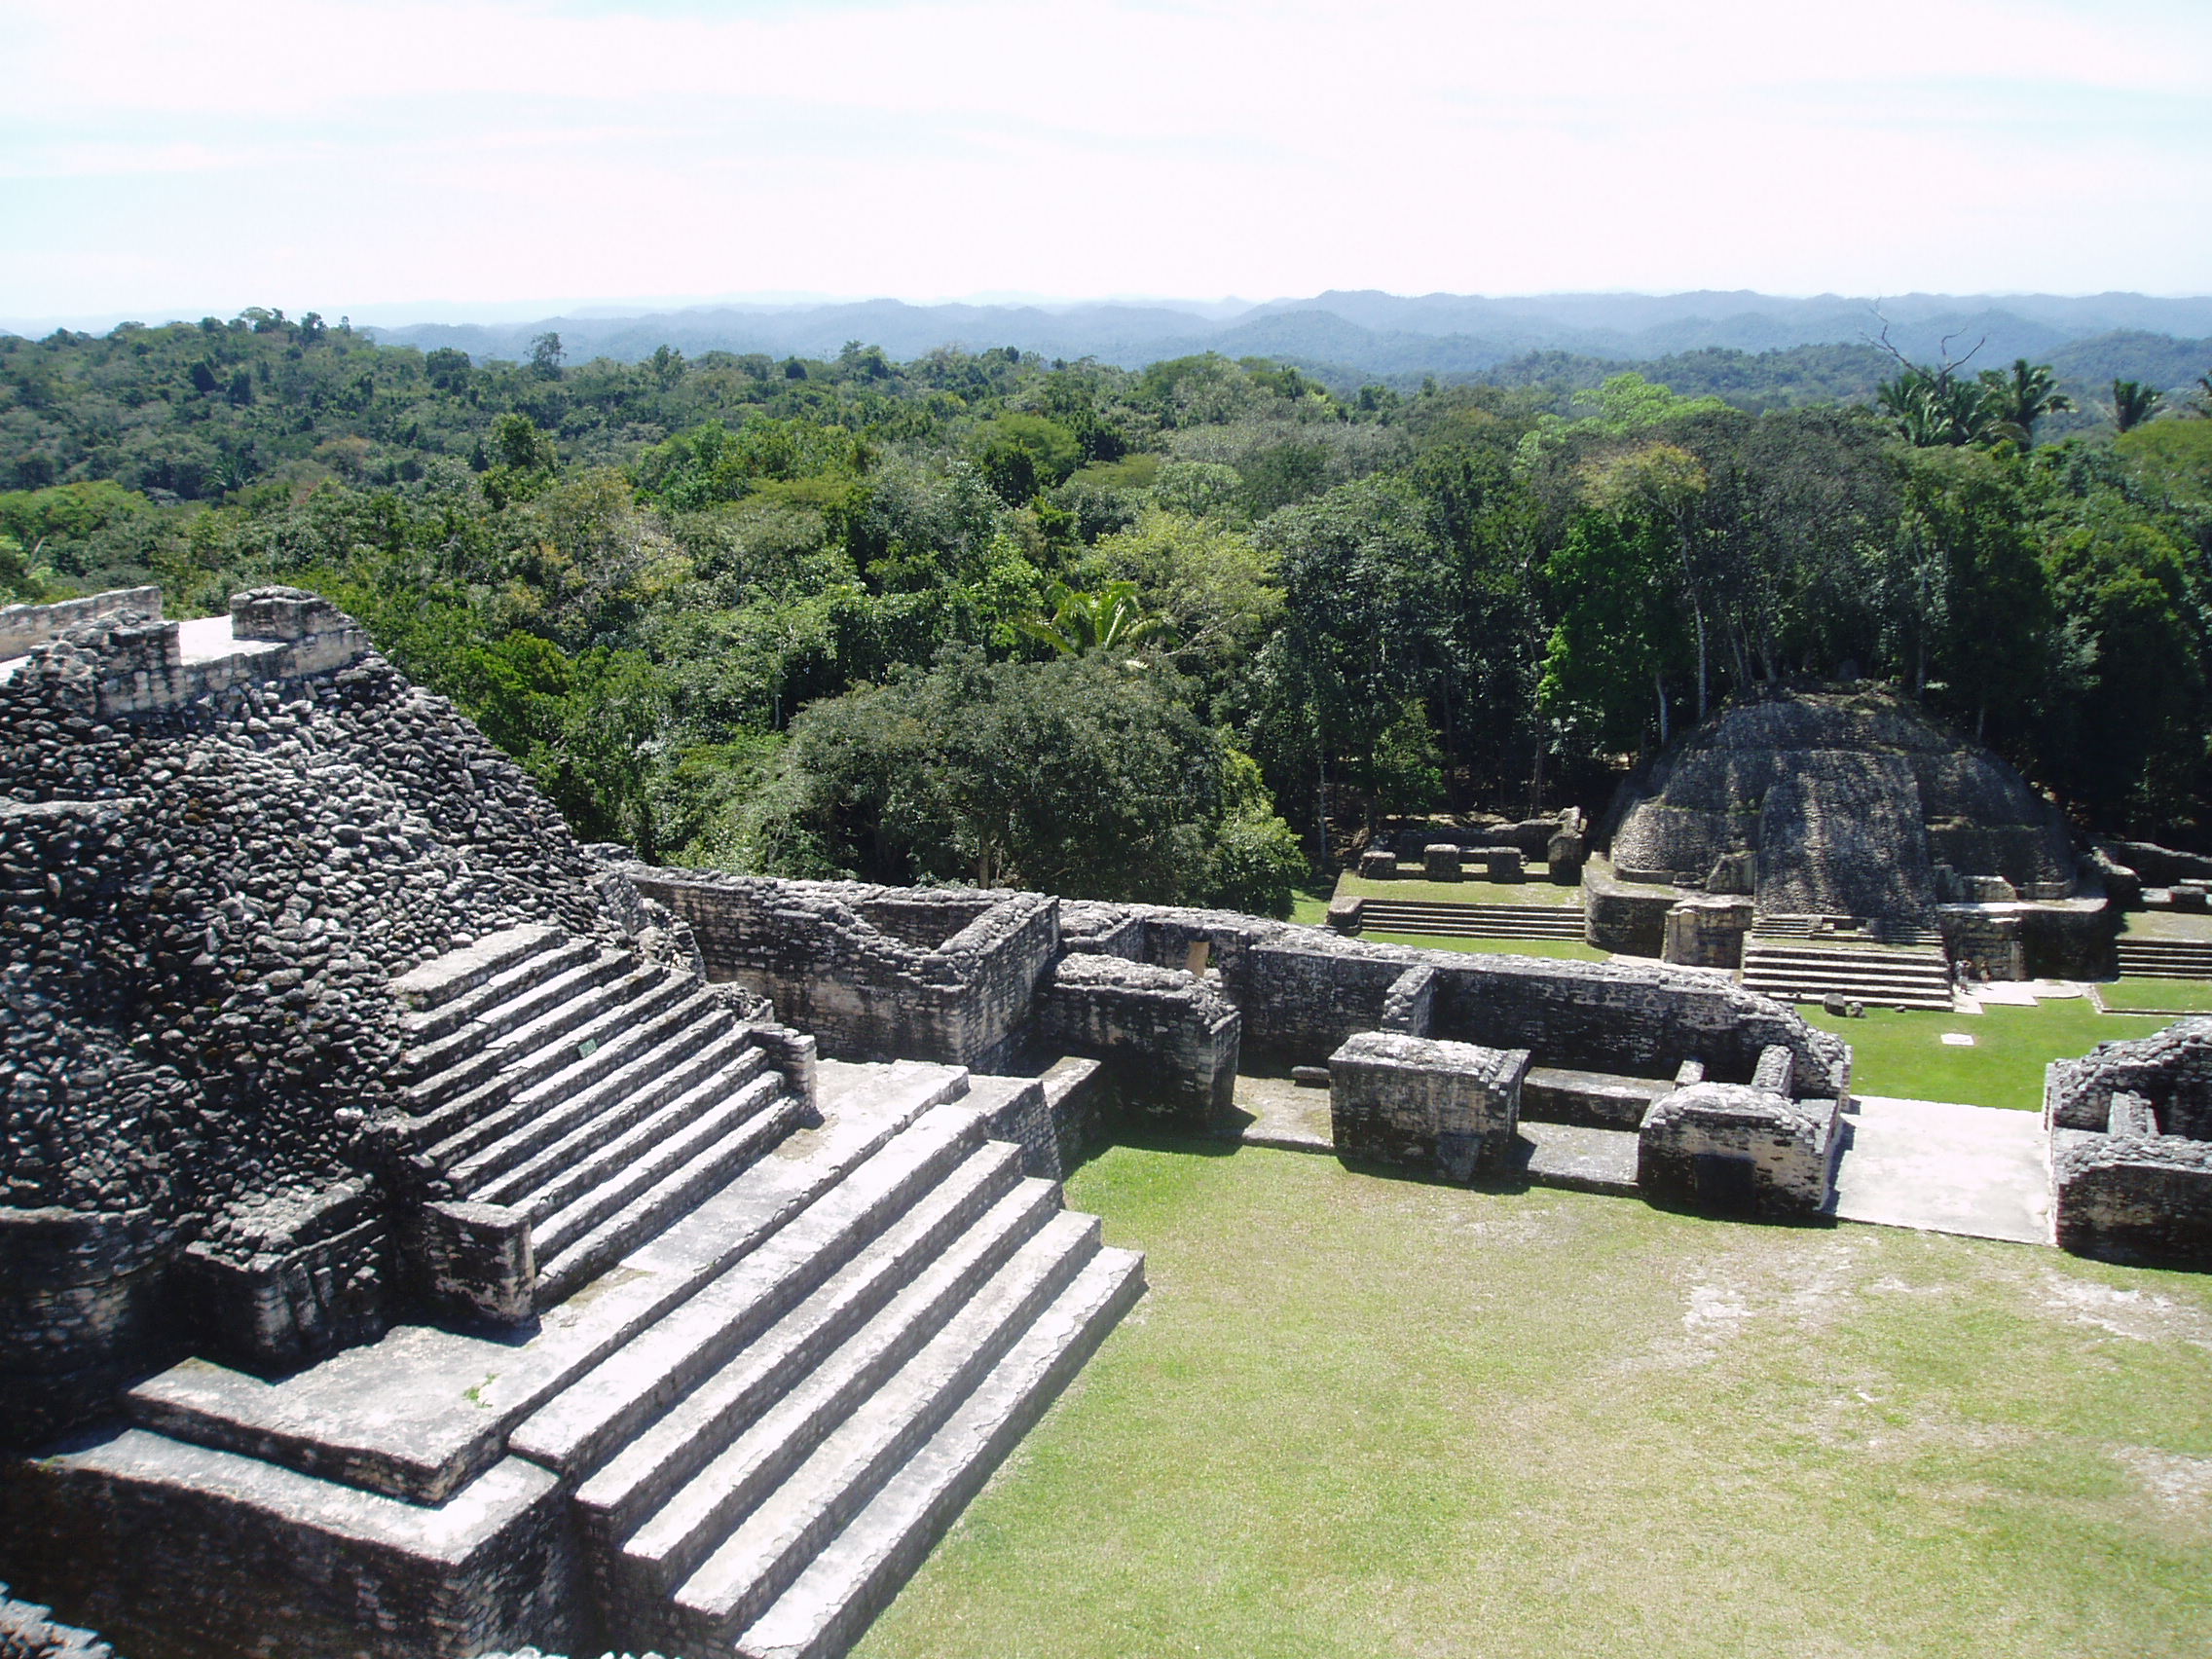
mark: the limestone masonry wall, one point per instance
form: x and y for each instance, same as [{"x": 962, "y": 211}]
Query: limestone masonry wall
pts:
[
  {"x": 874, "y": 972},
  {"x": 1299, "y": 992},
  {"x": 28, "y": 1631}
]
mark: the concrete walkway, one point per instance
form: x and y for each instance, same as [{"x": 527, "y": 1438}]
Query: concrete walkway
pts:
[
  {"x": 1977, "y": 1170},
  {"x": 1931, "y": 1164}
]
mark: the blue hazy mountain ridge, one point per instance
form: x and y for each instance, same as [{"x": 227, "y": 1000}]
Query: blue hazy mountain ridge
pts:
[{"x": 1349, "y": 335}]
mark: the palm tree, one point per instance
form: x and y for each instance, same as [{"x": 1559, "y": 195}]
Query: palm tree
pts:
[
  {"x": 2023, "y": 398},
  {"x": 1934, "y": 407},
  {"x": 2133, "y": 404},
  {"x": 1110, "y": 619}
]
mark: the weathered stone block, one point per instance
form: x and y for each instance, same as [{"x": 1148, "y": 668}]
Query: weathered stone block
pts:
[
  {"x": 1379, "y": 864},
  {"x": 284, "y": 613},
  {"x": 1448, "y": 1109},
  {"x": 1440, "y": 862},
  {"x": 2132, "y": 1196},
  {"x": 24, "y": 627},
  {"x": 1734, "y": 873},
  {"x": 473, "y": 1261},
  {"x": 1503, "y": 864},
  {"x": 1733, "y": 1149},
  {"x": 1347, "y": 915},
  {"x": 1705, "y": 931},
  {"x": 194, "y": 1552},
  {"x": 299, "y": 1277}
]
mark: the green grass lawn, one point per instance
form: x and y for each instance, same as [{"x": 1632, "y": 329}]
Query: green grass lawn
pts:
[
  {"x": 1359, "y": 1418},
  {"x": 2164, "y": 996},
  {"x": 1903, "y": 1053},
  {"x": 1461, "y": 891},
  {"x": 1572, "y": 948},
  {"x": 2182, "y": 925}
]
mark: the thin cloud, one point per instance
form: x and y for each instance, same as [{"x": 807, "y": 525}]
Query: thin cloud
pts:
[{"x": 370, "y": 150}]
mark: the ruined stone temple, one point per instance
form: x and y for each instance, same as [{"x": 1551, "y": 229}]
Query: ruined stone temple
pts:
[
  {"x": 426, "y": 1235},
  {"x": 1843, "y": 840}
]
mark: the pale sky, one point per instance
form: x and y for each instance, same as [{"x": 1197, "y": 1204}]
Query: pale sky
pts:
[{"x": 205, "y": 155}]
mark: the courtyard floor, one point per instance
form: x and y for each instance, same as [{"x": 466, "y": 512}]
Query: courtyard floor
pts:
[{"x": 1364, "y": 1417}]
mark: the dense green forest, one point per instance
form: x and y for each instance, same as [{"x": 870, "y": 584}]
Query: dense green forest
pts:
[{"x": 1166, "y": 633}]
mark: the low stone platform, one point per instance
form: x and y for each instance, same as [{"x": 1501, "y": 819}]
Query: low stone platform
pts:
[
  {"x": 1578, "y": 1157},
  {"x": 1284, "y": 1116},
  {"x": 1942, "y": 1168}
]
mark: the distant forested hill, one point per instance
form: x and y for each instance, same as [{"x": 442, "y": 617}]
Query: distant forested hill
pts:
[{"x": 1351, "y": 338}]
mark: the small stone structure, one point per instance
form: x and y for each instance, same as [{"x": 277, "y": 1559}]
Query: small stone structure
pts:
[
  {"x": 1440, "y": 862},
  {"x": 1448, "y": 1109},
  {"x": 1706, "y": 932},
  {"x": 1379, "y": 864},
  {"x": 1503, "y": 864},
  {"x": 2131, "y": 1148},
  {"x": 1740, "y": 1149}
]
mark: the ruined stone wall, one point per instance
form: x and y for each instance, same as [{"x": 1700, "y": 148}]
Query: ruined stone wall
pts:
[
  {"x": 2171, "y": 1070},
  {"x": 28, "y": 1631},
  {"x": 1170, "y": 1041},
  {"x": 1121, "y": 993},
  {"x": 1302, "y": 990},
  {"x": 956, "y": 981},
  {"x": 1735, "y": 1148},
  {"x": 2131, "y": 1148},
  {"x": 1617, "y": 916},
  {"x": 372, "y": 1582}
]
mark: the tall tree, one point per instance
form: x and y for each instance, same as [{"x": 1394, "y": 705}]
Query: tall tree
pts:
[
  {"x": 2133, "y": 403},
  {"x": 2023, "y": 395}
]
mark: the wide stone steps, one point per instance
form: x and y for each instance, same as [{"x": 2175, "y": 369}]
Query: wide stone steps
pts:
[
  {"x": 1471, "y": 921},
  {"x": 536, "y": 1089},
  {"x": 755, "y": 1431},
  {"x": 764, "y": 1553},
  {"x": 2165, "y": 959},
  {"x": 597, "y": 1229},
  {"x": 915, "y": 1316},
  {"x": 1843, "y": 931},
  {"x": 1890, "y": 977},
  {"x": 740, "y": 1458},
  {"x": 858, "y": 1573},
  {"x": 657, "y": 1460},
  {"x": 600, "y": 1095}
]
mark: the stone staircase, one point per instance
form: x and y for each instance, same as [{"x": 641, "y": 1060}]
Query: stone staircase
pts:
[
  {"x": 1471, "y": 921},
  {"x": 741, "y": 1441},
  {"x": 2164, "y": 958},
  {"x": 1804, "y": 969},
  {"x": 591, "y": 1094}
]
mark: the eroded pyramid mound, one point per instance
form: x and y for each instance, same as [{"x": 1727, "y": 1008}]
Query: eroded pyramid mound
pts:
[{"x": 1853, "y": 803}]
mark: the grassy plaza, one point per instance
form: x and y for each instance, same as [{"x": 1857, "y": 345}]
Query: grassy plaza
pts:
[{"x": 1365, "y": 1416}]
